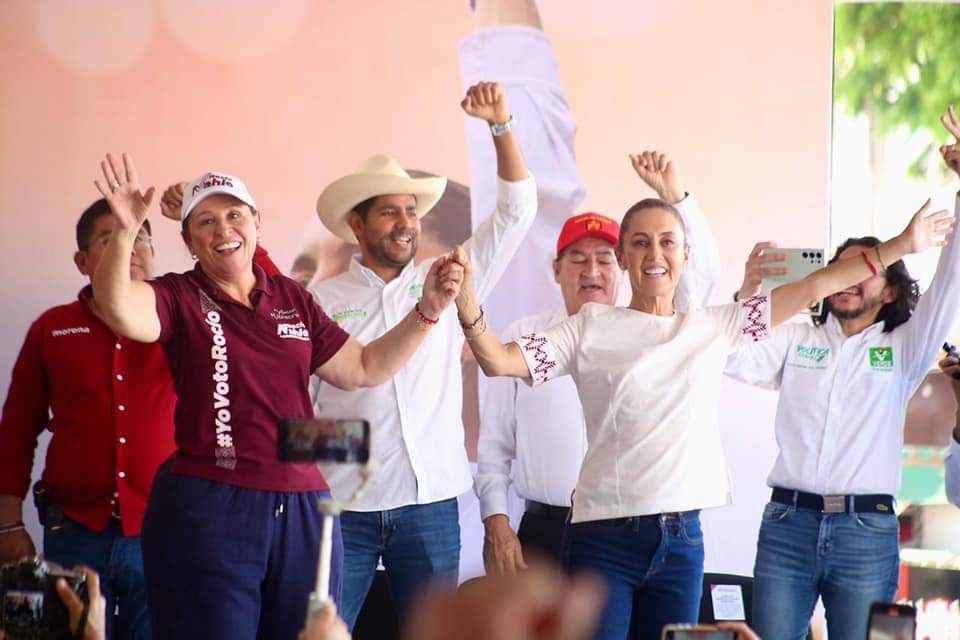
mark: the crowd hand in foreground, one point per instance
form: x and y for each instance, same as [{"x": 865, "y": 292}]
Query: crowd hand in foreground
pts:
[
  {"x": 325, "y": 624},
  {"x": 95, "y": 625},
  {"x": 537, "y": 604}
]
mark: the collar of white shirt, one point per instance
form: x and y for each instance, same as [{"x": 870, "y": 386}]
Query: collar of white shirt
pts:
[{"x": 370, "y": 276}]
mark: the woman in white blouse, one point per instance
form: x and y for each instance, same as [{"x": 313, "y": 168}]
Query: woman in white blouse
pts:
[{"x": 649, "y": 381}]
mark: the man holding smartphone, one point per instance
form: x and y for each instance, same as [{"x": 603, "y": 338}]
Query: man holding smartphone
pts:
[
  {"x": 950, "y": 365},
  {"x": 830, "y": 529}
]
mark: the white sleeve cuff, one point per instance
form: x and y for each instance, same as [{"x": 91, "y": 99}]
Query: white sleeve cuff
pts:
[{"x": 492, "y": 503}]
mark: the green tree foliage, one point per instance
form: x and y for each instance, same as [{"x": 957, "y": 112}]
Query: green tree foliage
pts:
[{"x": 899, "y": 64}]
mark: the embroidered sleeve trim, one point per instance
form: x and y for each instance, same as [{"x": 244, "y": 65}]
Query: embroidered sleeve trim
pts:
[
  {"x": 537, "y": 351},
  {"x": 755, "y": 321}
]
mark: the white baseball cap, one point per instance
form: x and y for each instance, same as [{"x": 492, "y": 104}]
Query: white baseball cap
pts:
[{"x": 210, "y": 184}]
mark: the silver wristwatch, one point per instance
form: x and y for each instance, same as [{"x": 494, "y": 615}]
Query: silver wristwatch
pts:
[{"x": 502, "y": 128}]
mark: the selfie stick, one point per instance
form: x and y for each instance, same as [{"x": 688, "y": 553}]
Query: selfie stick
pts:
[{"x": 330, "y": 508}]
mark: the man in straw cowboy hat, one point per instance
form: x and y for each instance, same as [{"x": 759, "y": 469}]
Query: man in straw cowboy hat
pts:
[{"x": 408, "y": 518}]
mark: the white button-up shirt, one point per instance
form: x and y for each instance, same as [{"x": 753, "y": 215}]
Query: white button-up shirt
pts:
[
  {"x": 536, "y": 438},
  {"x": 839, "y": 422},
  {"x": 952, "y": 463},
  {"x": 415, "y": 418}
]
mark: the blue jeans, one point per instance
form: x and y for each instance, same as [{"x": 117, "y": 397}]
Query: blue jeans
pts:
[
  {"x": 118, "y": 560},
  {"x": 419, "y": 545},
  {"x": 849, "y": 559},
  {"x": 227, "y": 562},
  {"x": 652, "y": 566}
]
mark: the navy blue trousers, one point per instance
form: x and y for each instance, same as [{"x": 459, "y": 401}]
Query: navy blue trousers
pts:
[{"x": 227, "y": 562}]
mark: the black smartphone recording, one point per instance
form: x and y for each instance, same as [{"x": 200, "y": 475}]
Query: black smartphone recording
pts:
[
  {"x": 324, "y": 440},
  {"x": 889, "y": 621}
]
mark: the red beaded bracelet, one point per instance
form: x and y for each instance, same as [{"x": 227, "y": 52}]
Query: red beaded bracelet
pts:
[
  {"x": 870, "y": 266},
  {"x": 424, "y": 318}
]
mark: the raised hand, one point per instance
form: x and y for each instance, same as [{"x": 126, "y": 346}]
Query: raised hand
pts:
[
  {"x": 927, "y": 230},
  {"x": 657, "y": 170},
  {"x": 129, "y": 204},
  {"x": 755, "y": 269},
  {"x": 487, "y": 101},
  {"x": 951, "y": 366},
  {"x": 951, "y": 156},
  {"x": 171, "y": 200},
  {"x": 441, "y": 286},
  {"x": 466, "y": 286}
]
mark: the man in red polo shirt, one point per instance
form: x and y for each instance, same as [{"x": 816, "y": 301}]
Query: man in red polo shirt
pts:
[{"x": 109, "y": 403}]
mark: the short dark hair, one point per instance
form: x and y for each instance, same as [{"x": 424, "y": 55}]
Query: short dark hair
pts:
[
  {"x": 363, "y": 208},
  {"x": 907, "y": 291},
  {"x": 88, "y": 220},
  {"x": 649, "y": 203}
]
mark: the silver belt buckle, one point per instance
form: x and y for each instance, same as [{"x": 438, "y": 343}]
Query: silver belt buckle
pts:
[{"x": 834, "y": 504}]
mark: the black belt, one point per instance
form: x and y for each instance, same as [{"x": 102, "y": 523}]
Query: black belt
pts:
[
  {"x": 547, "y": 510},
  {"x": 872, "y": 503}
]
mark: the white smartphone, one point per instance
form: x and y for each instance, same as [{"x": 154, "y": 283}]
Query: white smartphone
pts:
[{"x": 799, "y": 264}]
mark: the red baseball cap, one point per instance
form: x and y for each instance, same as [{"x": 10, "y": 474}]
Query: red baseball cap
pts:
[{"x": 588, "y": 225}]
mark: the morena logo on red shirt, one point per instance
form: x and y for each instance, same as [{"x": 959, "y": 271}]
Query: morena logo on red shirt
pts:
[{"x": 69, "y": 331}]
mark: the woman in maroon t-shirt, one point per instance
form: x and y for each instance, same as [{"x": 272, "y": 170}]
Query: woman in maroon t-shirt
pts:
[{"x": 231, "y": 534}]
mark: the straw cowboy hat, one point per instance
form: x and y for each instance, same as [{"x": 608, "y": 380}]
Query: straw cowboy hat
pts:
[{"x": 379, "y": 175}]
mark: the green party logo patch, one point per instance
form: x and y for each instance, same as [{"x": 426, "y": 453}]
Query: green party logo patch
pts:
[
  {"x": 349, "y": 314},
  {"x": 881, "y": 358},
  {"x": 416, "y": 290}
]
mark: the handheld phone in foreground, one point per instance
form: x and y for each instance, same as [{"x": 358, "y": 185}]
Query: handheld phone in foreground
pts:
[
  {"x": 696, "y": 632},
  {"x": 799, "y": 263},
  {"x": 890, "y": 621},
  {"x": 324, "y": 440}
]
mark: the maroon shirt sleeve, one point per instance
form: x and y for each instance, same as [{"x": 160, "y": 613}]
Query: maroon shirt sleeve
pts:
[
  {"x": 327, "y": 336},
  {"x": 262, "y": 259},
  {"x": 167, "y": 289},
  {"x": 25, "y": 415}
]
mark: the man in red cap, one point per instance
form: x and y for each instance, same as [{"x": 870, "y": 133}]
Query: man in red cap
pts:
[{"x": 536, "y": 438}]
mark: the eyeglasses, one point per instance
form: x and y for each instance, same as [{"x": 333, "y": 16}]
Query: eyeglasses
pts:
[{"x": 143, "y": 239}]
